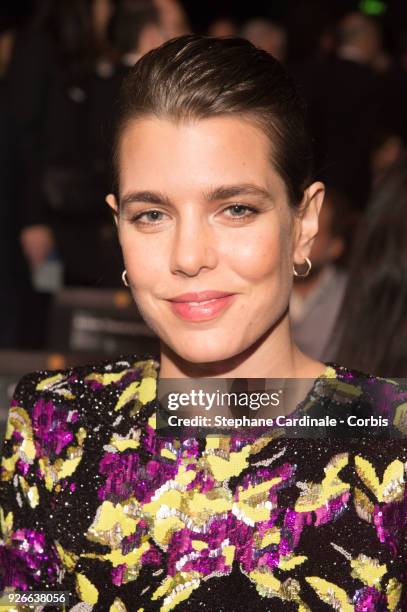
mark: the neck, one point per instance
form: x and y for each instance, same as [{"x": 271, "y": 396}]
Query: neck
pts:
[{"x": 274, "y": 355}]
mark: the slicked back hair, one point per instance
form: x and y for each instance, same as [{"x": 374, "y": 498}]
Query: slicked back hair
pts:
[{"x": 197, "y": 77}]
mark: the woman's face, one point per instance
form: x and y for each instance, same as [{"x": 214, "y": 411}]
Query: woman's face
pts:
[{"x": 207, "y": 234}]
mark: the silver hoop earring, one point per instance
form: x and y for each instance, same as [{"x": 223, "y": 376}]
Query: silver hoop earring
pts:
[
  {"x": 309, "y": 264},
  {"x": 124, "y": 279}
]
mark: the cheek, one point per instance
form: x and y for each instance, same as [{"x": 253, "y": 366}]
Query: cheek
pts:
[
  {"x": 262, "y": 256},
  {"x": 143, "y": 259}
]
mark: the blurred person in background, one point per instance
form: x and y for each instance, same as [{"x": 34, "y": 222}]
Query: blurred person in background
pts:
[
  {"x": 54, "y": 54},
  {"x": 74, "y": 165},
  {"x": 371, "y": 333},
  {"x": 346, "y": 101},
  {"x": 316, "y": 299},
  {"x": 26, "y": 69},
  {"x": 173, "y": 18},
  {"x": 360, "y": 40},
  {"x": 393, "y": 138},
  {"x": 101, "y": 13},
  {"x": 266, "y": 35},
  {"x": 306, "y": 21},
  {"x": 136, "y": 29},
  {"x": 224, "y": 25},
  {"x": 70, "y": 38},
  {"x": 388, "y": 149}
]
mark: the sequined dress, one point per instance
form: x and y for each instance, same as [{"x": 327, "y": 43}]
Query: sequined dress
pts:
[{"x": 94, "y": 502}]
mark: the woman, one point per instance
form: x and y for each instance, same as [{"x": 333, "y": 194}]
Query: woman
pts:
[{"x": 215, "y": 210}]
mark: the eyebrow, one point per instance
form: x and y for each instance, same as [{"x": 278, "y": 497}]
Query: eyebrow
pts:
[
  {"x": 232, "y": 191},
  {"x": 150, "y": 197},
  {"x": 224, "y": 192}
]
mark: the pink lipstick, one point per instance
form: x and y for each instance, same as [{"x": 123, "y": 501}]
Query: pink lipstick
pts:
[{"x": 201, "y": 306}]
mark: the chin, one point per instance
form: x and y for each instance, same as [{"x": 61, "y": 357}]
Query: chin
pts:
[{"x": 210, "y": 350}]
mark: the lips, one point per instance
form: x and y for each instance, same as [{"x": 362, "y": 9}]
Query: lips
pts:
[
  {"x": 201, "y": 306},
  {"x": 201, "y": 296}
]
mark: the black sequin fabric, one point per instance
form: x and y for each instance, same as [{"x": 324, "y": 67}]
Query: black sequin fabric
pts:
[{"x": 95, "y": 502}]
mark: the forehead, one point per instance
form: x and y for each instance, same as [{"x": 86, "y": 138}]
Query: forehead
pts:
[{"x": 193, "y": 154}]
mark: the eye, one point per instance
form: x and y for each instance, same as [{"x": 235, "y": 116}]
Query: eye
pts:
[
  {"x": 240, "y": 211},
  {"x": 148, "y": 217}
]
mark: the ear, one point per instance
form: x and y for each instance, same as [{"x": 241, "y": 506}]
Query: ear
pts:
[
  {"x": 112, "y": 203},
  {"x": 306, "y": 221}
]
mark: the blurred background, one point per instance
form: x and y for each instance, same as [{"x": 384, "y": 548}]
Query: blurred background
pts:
[{"x": 62, "y": 301}]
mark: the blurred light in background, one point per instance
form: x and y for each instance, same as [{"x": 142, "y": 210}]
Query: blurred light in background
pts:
[{"x": 372, "y": 7}]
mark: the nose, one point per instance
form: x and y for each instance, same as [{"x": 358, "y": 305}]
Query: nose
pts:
[{"x": 194, "y": 246}]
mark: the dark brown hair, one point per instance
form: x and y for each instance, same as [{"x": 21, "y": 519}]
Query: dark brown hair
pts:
[{"x": 196, "y": 77}]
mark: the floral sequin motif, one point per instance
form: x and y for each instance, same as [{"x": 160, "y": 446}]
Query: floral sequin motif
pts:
[
  {"x": 385, "y": 503},
  {"x": 25, "y": 555},
  {"x": 46, "y": 436},
  {"x": 51, "y": 428}
]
